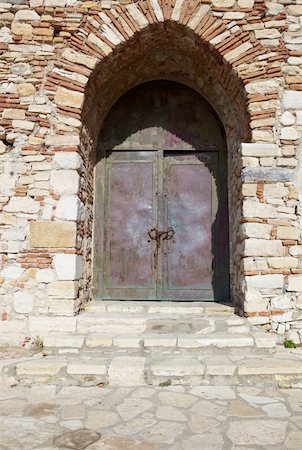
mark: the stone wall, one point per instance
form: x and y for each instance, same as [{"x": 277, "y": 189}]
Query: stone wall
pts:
[{"x": 63, "y": 65}]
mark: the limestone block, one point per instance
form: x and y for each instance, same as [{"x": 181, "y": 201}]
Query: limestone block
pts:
[
  {"x": 65, "y": 182},
  {"x": 23, "y": 124},
  {"x": 7, "y": 185},
  {"x": 287, "y": 118},
  {"x": 274, "y": 281},
  {"x": 12, "y": 272},
  {"x": 265, "y": 340},
  {"x": 256, "y": 230},
  {"x": 63, "y": 340},
  {"x": 24, "y": 205},
  {"x": 45, "y": 276},
  {"x": 69, "y": 207},
  {"x": 79, "y": 58},
  {"x": 23, "y": 302},
  {"x": 294, "y": 10},
  {"x": 2, "y": 148},
  {"x": 99, "y": 340},
  {"x": 249, "y": 189},
  {"x": 292, "y": 99},
  {"x": 127, "y": 371},
  {"x": 287, "y": 316},
  {"x": 253, "y": 209},
  {"x": 267, "y": 366},
  {"x": 290, "y": 133},
  {"x": 10, "y": 113},
  {"x": 42, "y": 326},
  {"x": 137, "y": 15},
  {"x": 254, "y": 174},
  {"x": 284, "y": 232},
  {"x": 246, "y": 3},
  {"x": 260, "y": 150},
  {"x": 277, "y": 190},
  {"x": 48, "y": 234},
  {"x": 55, "y": 3},
  {"x": 262, "y": 87},
  {"x": 238, "y": 51},
  {"x": 68, "y": 267},
  {"x": 42, "y": 109},
  {"x": 281, "y": 302},
  {"x": 62, "y": 139},
  {"x": 99, "y": 43},
  {"x": 40, "y": 367},
  {"x": 295, "y": 250},
  {"x": 254, "y": 302},
  {"x": 25, "y": 89},
  {"x": 262, "y": 247},
  {"x": 86, "y": 368},
  {"x": 67, "y": 160},
  {"x": 294, "y": 283},
  {"x": 63, "y": 307},
  {"x": 67, "y": 97},
  {"x": 22, "y": 29},
  {"x": 27, "y": 15},
  {"x": 64, "y": 289},
  {"x": 224, "y": 3},
  {"x": 248, "y": 161},
  {"x": 286, "y": 262}
]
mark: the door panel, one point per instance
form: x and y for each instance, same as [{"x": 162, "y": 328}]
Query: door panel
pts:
[
  {"x": 153, "y": 192},
  {"x": 130, "y": 213},
  {"x": 190, "y": 194}
]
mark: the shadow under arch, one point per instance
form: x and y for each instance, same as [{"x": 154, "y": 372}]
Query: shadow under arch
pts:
[{"x": 169, "y": 117}]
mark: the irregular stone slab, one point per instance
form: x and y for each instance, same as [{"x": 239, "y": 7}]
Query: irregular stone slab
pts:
[
  {"x": 219, "y": 392},
  {"x": 101, "y": 419},
  {"x": 137, "y": 425},
  {"x": 18, "y": 432},
  {"x": 78, "y": 439},
  {"x": 127, "y": 371},
  {"x": 208, "y": 408},
  {"x": 170, "y": 413},
  {"x": 276, "y": 410},
  {"x": 125, "y": 443},
  {"x": 164, "y": 432},
  {"x": 206, "y": 441},
  {"x": 177, "y": 399},
  {"x": 42, "y": 409},
  {"x": 200, "y": 424},
  {"x": 257, "y": 432},
  {"x": 242, "y": 409},
  {"x": 132, "y": 407}
]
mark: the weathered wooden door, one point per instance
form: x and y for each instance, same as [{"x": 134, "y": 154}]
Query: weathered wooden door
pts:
[{"x": 161, "y": 213}]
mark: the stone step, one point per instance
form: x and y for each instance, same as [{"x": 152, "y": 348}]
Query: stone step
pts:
[
  {"x": 145, "y": 343},
  {"x": 149, "y": 307},
  {"x": 128, "y": 323},
  {"x": 283, "y": 369}
]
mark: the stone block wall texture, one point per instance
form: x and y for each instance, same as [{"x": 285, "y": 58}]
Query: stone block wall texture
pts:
[{"x": 64, "y": 63}]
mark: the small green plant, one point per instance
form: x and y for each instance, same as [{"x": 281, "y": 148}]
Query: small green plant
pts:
[
  {"x": 288, "y": 343},
  {"x": 165, "y": 383}
]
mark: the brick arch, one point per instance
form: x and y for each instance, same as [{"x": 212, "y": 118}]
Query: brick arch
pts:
[{"x": 224, "y": 46}]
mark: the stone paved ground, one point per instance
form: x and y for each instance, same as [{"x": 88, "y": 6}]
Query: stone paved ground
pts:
[{"x": 148, "y": 418}]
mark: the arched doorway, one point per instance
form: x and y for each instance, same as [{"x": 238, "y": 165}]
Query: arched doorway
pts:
[{"x": 161, "y": 202}]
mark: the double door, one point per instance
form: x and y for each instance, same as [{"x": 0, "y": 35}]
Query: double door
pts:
[{"x": 160, "y": 226}]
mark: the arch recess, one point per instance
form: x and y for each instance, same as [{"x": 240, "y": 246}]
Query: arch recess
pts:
[{"x": 191, "y": 42}]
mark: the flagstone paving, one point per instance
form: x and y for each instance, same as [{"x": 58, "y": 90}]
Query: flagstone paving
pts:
[{"x": 150, "y": 418}]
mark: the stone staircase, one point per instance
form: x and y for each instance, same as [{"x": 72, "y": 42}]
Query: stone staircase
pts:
[{"x": 137, "y": 343}]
